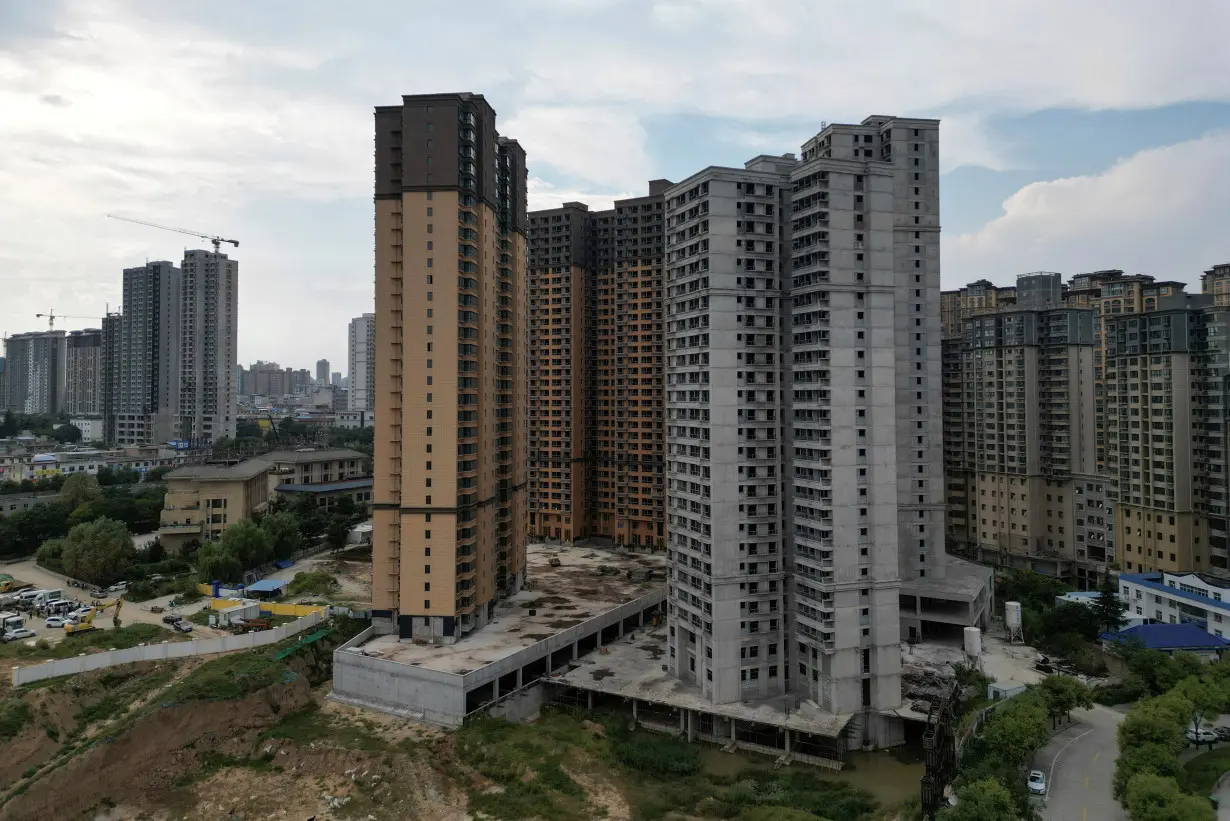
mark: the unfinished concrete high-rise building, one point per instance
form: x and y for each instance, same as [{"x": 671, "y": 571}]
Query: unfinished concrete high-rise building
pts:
[
  {"x": 804, "y": 364},
  {"x": 361, "y": 362},
  {"x": 34, "y": 371},
  {"x": 596, "y": 418},
  {"x": 449, "y": 536}
]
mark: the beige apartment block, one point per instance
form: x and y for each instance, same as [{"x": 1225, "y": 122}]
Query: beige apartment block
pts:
[
  {"x": 1020, "y": 446},
  {"x": 449, "y": 494},
  {"x": 203, "y": 500},
  {"x": 597, "y": 417}
]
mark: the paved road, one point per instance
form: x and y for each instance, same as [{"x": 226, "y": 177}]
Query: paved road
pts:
[{"x": 1079, "y": 763}]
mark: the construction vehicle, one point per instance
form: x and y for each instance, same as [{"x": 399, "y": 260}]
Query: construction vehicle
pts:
[
  {"x": 86, "y": 623},
  {"x": 52, "y": 316},
  {"x": 553, "y": 561},
  {"x": 251, "y": 626},
  {"x": 217, "y": 241}
]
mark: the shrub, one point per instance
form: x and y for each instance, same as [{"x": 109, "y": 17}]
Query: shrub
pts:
[
  {"x": 313, "y": 582},
  {"x": 656, "y": 755}
]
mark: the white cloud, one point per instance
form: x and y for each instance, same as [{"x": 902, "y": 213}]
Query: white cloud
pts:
[
  {"x": 226, "y": 120},
  {"x": 601, "y": 145},
  {"x": 542, "y": 194},
  {"x": 1161, "y": 212}
]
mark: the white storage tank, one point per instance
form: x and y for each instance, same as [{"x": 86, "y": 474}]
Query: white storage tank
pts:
[
  {"x": 1012, "y": 616},
  {"x": 973, "y": 642}
]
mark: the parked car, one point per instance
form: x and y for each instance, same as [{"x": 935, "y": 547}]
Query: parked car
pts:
[
  {"x": 55, "y": 622},
  {"x": 1223, "y": 733},
  {"x": 17, "y": 635},
  {"x": 1037, "y": 782},
  {"x": 172, "y": 618},
  {"x": 118, "y": 587},
  {"x": 1201, "y": 736},
  {"x": 183, "y": 626}
]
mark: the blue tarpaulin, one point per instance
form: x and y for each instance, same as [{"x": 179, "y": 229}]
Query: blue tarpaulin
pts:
[
  {"x": 282, "y": 564},
  {"x": 266, "y": 586}
]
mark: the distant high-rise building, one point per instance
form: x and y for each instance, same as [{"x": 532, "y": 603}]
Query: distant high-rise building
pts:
[
  {"x": 300, "y": 381},
  {"x": 449, "y": 343},
  {"x": 83, "y": 381},
  {"x": 35, "y": 371},
  {"x": 597, "y": 417},
  {"x": 4, "y": 387},
  {"x": 361, "y": 345},
  {"x": 335, "y": 379},
  {"x": 241, "y": 380},
  {"x": 144, "y": 356},
  {"x": 112, "y": 366},
  {"x": 209, "y": 322},
  {"x": 267, "y": 379},
  {"x": 322, "y": 372}
]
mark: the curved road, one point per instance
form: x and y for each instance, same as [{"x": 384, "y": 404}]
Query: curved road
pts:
[{"x": 1079, "y": 763}]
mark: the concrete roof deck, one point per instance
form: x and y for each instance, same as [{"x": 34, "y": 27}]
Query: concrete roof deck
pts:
[
  {"x": 632, "y": 668},
  {"x": 962, "y": 579},
  {"x": 562, "y": 597}
]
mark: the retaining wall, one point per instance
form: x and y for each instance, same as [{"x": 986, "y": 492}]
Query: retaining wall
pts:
[{"x": 159, "y": 652}]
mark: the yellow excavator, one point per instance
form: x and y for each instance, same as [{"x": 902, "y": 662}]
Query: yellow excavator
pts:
[{"x": 86, "y": 623}]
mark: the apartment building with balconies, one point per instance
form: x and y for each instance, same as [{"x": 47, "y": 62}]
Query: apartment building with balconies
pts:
[
  {"x": 1023, "y": 489},
  {"x": 449, "y": 494},
  {"x": 597, "y": 414},
  {"x": 726, "y": 433}
]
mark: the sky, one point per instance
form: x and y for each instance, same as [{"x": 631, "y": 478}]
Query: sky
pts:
[{"x": 1076, "y": 134}]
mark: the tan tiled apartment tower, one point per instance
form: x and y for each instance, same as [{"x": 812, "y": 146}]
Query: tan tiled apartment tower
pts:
[
  {"x": 596, "y": 371},
  {"x": 449, "y": 533}
]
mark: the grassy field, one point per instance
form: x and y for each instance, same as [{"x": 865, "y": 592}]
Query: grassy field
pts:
[
  {"x": 1202, "y": 772},
  {"x": 538, "y": 767}
]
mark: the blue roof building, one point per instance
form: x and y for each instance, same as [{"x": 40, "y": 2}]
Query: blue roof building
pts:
[{"x": 1170, "y": 638}]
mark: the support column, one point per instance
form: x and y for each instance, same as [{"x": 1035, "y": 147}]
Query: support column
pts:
[
  {"x": 634, "y": 723},
  {"x": 691, "y": 725},
  {"x": 548, "y": 660},
  {"x": 599, "y": 640},
  {"x": 621, "y": 628},
  {"x": 495, "y": 690},
  {"x": 519, "y": 683},
  {"x": 683, "y": 722},
  {"x": 574, "y": 650},
  {"x": 732, "y": 729},
  {"x": 640, "y": 618},
  {"x": 787, "y": 742},
  {"x": 589, "y": 700}
]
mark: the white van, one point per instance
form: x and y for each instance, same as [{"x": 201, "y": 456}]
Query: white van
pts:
[
  {"x": 45, "y": 596},
  {"x": 28, "y": 596},
  {"x": 59, "y": 605}
]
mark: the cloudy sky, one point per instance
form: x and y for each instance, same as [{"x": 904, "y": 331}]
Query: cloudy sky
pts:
[{"x": 1076, "y": 135}]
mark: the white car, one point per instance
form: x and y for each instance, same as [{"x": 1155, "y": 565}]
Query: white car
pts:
[
  {"x": 1037, "y": 782},
  {"x": 1201, "y": 736},
  {"x": 55, "y": 621},
  {"x": 17, "y": 635}
]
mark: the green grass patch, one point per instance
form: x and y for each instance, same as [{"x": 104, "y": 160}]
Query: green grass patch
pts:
[
  {"x": 104, "y": 709},
  {"x": 228, "y": 677},
  {"x": 308, "y": 726},
  {"x": 313, "y": 583},
  {"x": 14, "y": 715},
  {"x": 1201, "y": 773},
  {"x": 200, "y": 618}
]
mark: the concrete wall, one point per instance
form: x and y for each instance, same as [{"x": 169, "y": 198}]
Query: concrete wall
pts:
[
  {"x": 160, "y": 652},
  {"x": 440, "y": 698},
  {"x": 413, "y": 692}
]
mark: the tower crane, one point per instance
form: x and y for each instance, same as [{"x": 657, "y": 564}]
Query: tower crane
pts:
[
  {"x": 52, "y": 316},
  {"x": 217, "y": 241}
]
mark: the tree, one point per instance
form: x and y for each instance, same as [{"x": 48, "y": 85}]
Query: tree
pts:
[
  {"x": 1151, "y": 737},
  {"x": 1016, "y": 730},
  {"x": 118, "y": 476},
  {"x": 1207, "y": 700},
  {"x": 157, "y": 474},
  {"x": 247, "y": 542},
  {"x": 1156, "y": 798},
  {"x": 1060, "y": 694},
  {"x": 66, "y": 433},
  {"x": 282, "y": 529},
  {"x": 49, "y": 555},
  {"x": 215, "y": 563},
  {"x": 337, "y": 533},
  {"x": 1108, "y": 608},
  {"x": 80, "y": 489},
  {"x": 984, "y": 800},
  {"x": 98, "y": 552}
]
